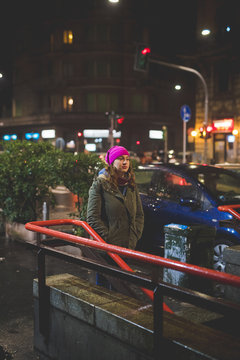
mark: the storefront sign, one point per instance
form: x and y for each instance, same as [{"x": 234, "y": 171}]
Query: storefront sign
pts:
[{"x": 224, "y": 125}]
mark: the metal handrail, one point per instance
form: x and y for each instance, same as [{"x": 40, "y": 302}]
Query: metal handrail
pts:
[
  {"x": 230, "y": 209},
  {"x": 159, "y": 289},
  {"x": 41, "y": 227}
]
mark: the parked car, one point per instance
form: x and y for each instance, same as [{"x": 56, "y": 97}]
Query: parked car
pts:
[
  {"x": 188, "y": 194},
  {"x": 230, "y": 166}
]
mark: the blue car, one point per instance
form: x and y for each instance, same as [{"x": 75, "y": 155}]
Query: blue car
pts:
[{"x": 188, "y": 194}]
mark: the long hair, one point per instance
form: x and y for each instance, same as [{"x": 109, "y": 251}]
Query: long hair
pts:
[{"x": 114, "y": 175}]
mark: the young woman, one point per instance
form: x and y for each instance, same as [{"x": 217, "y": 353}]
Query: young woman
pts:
[{"x": 114, "y": 206}]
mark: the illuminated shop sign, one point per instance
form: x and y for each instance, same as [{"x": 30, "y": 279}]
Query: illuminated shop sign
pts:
[
  {"x": 32, "y": 136},
  {"x": 224, "y": 125},
  {"x": 155, "y": 134},
  {"x": 48, "y": 134},
  {"x": 100, "y": 133},
  {"x": 7, "y": 137},
  {"x": 90, "y": 147},
  {"x": 231, "y": 138}
]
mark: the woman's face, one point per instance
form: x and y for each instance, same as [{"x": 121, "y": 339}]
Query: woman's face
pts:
[{"x": 122, "y": 163}]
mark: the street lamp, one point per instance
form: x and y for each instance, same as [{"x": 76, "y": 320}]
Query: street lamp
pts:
[
  {"x": 177, "y": 87},
  {"x": 206, "y": 32},
  {"x": 1, "y": 75},
  {"x": 194, "y": 71}
]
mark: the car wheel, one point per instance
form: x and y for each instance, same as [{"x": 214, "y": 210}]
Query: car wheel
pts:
[{"x": 218, "y": 262}]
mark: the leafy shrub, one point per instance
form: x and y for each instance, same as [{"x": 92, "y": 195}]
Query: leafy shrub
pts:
[
  {"x": 77, "y": 173},
  {"x": 27, "y": 171}
]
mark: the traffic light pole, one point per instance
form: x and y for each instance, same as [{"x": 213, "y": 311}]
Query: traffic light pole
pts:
[
  {"x": 165, "y": 132},
  {"x": 185, "y": 68},
  {"x": 111, "y": 118}
]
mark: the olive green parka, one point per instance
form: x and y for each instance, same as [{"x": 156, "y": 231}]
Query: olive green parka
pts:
[{"x": 118, "y": 219}]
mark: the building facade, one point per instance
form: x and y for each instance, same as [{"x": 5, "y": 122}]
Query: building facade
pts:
[
  {"x": 217, "y": 57},
  {"x": 75, "y": 65}
]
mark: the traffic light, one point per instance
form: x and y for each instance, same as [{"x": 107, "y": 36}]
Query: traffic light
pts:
[
  {"x": 202, "y": 132},
  {"x": 80, "y": 141},
  {"x": 205, "y": 131},
  {"x": 142, "y": 58},
  {"x": 119, "y": 122},
  {"x": 209, "y": 130}
]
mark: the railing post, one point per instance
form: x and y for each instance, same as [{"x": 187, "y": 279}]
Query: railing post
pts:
[
  {"x": 158, "y": 322},
  {"x": 44, "y": 216},
  {"x": 43, "y": 296}
]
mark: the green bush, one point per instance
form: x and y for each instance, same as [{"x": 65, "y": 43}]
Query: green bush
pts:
[
  {"x": 77, "y": 173},
  {"x": 27, "y": 171}
]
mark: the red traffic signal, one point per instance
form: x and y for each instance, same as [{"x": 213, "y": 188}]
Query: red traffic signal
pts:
[
  {"x": 146, "y": 51},
  {"x": 79, "y": 134},
  {"x": 205, "y": 131},
  {"x": 120, "y": 120},
  {"x": 141, "y": 58}
]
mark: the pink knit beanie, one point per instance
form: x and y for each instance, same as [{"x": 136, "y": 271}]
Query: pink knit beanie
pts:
[{"x": 114, "y": 152}]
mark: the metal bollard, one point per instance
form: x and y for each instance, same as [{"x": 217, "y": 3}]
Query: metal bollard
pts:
[{"x": 44, "y": 216}]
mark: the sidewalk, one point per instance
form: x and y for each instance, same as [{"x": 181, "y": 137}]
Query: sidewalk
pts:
[{"x": 18, "y": 268}]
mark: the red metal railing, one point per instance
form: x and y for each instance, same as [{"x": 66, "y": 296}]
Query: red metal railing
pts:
[
  {"x": 41, "y": 227},
  {"x": 230, "y": 209}
]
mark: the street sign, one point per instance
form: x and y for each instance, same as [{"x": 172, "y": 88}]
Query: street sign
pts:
[{"x": 185, "y": 113}]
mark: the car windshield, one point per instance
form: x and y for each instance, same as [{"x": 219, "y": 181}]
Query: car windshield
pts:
[{"x": 222, "y": 184}]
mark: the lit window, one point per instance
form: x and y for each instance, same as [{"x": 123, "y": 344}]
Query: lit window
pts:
[
  {"x": 68, "y": 37},
  {"x": 67, "y": 103}
]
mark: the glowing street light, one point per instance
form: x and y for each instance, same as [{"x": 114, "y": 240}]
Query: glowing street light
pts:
[
  {"x": 177, "y": 87},
  {"x": 206, "y": 32},
  {"x": 1, "y": 75}
]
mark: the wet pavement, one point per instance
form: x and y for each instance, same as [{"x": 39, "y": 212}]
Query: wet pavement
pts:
[
  {"x": 18, "y": 268},
  {"x": 17, "y": 271}
]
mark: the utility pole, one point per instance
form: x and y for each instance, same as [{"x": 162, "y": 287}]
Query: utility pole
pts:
[
  {"x": 111, "y": 118},
  {"x": 165, "y": 138}
]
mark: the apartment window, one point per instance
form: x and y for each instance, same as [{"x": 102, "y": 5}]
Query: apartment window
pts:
[
  {"x": 67, "y": 37},
  {"x": 137, "y": 102},
  {"x": 116, "y": 32},
  {"x": 68, "y": 103},
  {"x": 223, "y": 76},
  {"x": 102, "y": 102},
  {"x": 67, "y": 70},
  {"x": 102, "y": 32},
  {"x": 90, "y": 33},
  {"x": 104, "y": 68},
  {"x": 17, "y": 108},
  {"x": 116, "y": 68}
]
